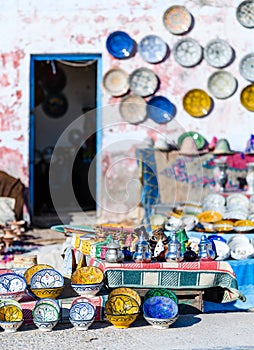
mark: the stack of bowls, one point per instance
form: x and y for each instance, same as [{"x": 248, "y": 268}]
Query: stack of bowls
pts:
[
  {"x": 47, "y": 283},
  {"x": 46, "y": 314},
  {"x": 240, "y": 247},
  {"x": 82, "y": 314},
  {"x": 11, "y": 315},
  {"x": 160, "y": 311},
  {"x": 87, "y": 281},
  {"x": 122, "y": 309},
  {"x": 12, "y": 286},
  {"x": 237, "y": 207},
  {"x": 214, "y": 202}
]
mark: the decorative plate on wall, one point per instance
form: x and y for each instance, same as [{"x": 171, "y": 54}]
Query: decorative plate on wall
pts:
[
  {"x": 222, "y": 84},
  {"x": 160, "y": 109},
  {"x": 197, "y": 103},
  {"x": 152, "y": 49},
  {"x": 133, "y": 109},
  {"x": 187, "y": 52},
  {"x": 120, "y": 45},
  {"x": 177, "y": 19},
  {"x": 245, "y": 13},
  {"x": 218, "y": 53},
  {"x": 247, "y": 97},
  {"x": 143, "y": 82},
  {"x": 246, "y": 67},
  {"x": 116, "y": 82}
]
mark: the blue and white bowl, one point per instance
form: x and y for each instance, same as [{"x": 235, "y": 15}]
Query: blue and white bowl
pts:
[
  {"x": 81, "y": 325},
  {"x": 46, "y": 326},
  {"x": 88, "y": 290},
  {"x": 47, "y": 278},
  {"x": 161, "y": 323},
  {"x": 45, "y": 312},
  {"x": 12, "y": 283},
  {"x": 82, "y": 311}
]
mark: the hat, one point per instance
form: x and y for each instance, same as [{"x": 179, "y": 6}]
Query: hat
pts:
[
  {"x": 222, "y": 147},
  {"x": 189, "y": 147}
]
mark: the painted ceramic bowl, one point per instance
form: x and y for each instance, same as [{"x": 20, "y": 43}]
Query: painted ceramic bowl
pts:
[
  {"x": 121, "y": 305},
  {"x": 161, "y": 323},
  {"x": 82, "y": 311},
  {"x": 31, "y": 271},
  {"x": 10, "y": 313},
  {"x": 160, "y": 307},
  {"x": 161, "y": 292},
  {"x": 47, "y": 278},
  {"x": 81, "y": 325},
  {"x": 12, "y": 283},
  {"x": 45, "y": 326},
  {"x": 45, "y": 312},
  {"x": 11, "y": 327},
  {"x": 13, "y": 295},
  {"x": 52, "y": 293},
  {"x": 122, "y": 321},
  {"x": 87, "y": 289},
  {"x": 87, "y": 275},
  {"x": 50, "y": 301},
  {"x": 126, "y": 291}
]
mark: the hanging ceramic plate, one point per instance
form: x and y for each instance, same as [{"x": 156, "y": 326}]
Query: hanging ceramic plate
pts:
[
  {"x": 55, "y": 106},
  {"x": 197, "y": 103},
  {"x": 177, "y": 19},
  {"x": 143, "y": 82},
  {"x": 222, "y": 84},
  {"x": 247, "y": 97},
  {"x": 133, "y": 109},
  {"x": 120, "y": 45},
  {"x": 160, "y": 109},
  {"x": 152, "y": 49},
  {"x": 187, "y": 52},
  {"x": 245, "y": 13},
  {"x": 218, "y": 53},
  {"x": 199, "y": 139},
  {"x": 246, "y": 67},
  {"x": 116, "y": 82}
]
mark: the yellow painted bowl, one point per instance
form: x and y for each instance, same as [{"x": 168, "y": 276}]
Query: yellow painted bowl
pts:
[
  {"x": 31, "y": 271},
  {"x": 121, "y": 305},
  {"x": 11, "y": 313},
  {"x": 121, "y": 321},
  {"x": 87, "y": 275},
  {"x": 52, "y": 293},
  {"x": 209, "y": 216},
  {"x": 126, "y": 291}
]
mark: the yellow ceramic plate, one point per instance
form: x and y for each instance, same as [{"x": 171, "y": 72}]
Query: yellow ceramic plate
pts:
[
  {"x": 31, "y": 271},
  {"x": 224, "y": 226},
  {"x": 244, "y": 223},
  {"x": 126, "y": 291},
  {"x": 247, "y": 97},
  {"x": 87, "y": 275},
  {"x": 121, "y": 305},
  {"x": 197, "y": 103},
  {"x": 209, "y": 216},
  {"x": 10, "y": 313}
]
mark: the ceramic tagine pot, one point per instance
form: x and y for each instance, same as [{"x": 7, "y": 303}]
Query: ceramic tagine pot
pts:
[{"x": 206, "y": 250}]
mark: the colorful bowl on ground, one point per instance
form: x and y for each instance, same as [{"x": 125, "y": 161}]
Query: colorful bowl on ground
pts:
[
  {"x": 121, "y": 321},
  {"x": 13, "y": 295},
  {"x": 87, "y": 275},
  {"x": 52, "y": 293},
  {"x": 46, "y": 326},
  {"x": 82, "y": 311},
  {"x": 50, "y": 301},
  {"x": 47, "y": 278},
  {"x": 10, "y": 313},
  {"x": 11, "y": 327},
  {"x": 45, "y": 312},
  {"x": 126, "y": 291},
  {"x": 161, "y": 292},
  {"x": 121, "y": 305},
  {"x": 12, "y": 283},
  {"x": 160, "y": 323},
  {"x": 160, "y": 307},
  {"x": 31, "y": 271},
  {"x": 89, "y": 290},
  {"x": 81, "y": 325}
]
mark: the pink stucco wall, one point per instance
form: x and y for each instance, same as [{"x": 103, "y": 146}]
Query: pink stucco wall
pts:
[{"x": 66, "y": 26}]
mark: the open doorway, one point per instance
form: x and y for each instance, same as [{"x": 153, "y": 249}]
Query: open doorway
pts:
[{"x": 64, "y": 91}]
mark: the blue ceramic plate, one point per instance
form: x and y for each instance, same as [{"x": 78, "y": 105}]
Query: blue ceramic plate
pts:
[
  {"x": 152, "y": 49},
  {"x": 82, "y": 311},
  {"x": 12, "y": 283},
  {"x": 160, "y": 109},
  {"x": 160, "y": 307},
  {"x": 47, "y": 278},
  {"x": 120, "y": 45}
]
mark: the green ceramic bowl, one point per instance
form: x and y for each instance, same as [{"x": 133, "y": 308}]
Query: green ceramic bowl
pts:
[{"x": 161, "y": 292}]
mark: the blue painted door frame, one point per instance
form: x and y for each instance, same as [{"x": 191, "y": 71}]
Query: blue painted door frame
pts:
[{"x": 69, "y": 57}]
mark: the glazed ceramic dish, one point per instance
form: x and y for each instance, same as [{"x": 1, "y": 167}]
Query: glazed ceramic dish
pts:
[
  {"x": 209, "y": 217},
  {"x": 222, "y": 84},
  {"x": 237, "y": 200},
  {"x": 82, "y": 311},
  {"x": 116, "y": 82},
  {"x": 126, "y": 291},
  {"x": 88, "y": 290},
  {"x": 87, "y": 275},
  {"x": 160, "y": 307},
  {"x": 197, "y": 103},
  {"x": 133, "y": 109},
  {"x": 160, "y": 109},
  {"x": 152, "y": 49},
  {"x": 121, "y": 305},
  {"x": 214, "y": 199},
  {"x": 45, "y": 312},
  {"x": 12, "y": 283},
  {"x": 120, "y": 45},
  {"x": 187, "y": 52},
  {"x": 143, "y": 82},
  {"x": 31, "y": 271},
  {"x": 199, "y": 139},
  {"x": 245, "y": 13},
  {"x": 218, "y": 53},
  {"x": 177, "y": 19},
  {"x": 121, "y": 321},
  {"x": 247, "y": 97},
  {"x": 47, "y": 278},
  {"x": 161, "y": 292},
  {"x": 246, "y": 67},
  {"x": 10, "y": 313}
]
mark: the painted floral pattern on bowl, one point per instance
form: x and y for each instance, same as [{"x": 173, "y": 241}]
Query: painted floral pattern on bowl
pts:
[
  {"x": 87, "y": 275},
  {"x": 121, "y": 305},
  {"x": 11, "y": 283},
  {"x": 47, "y": 278},
  {"x": 82, "y": 311},
  {"x": 44, "y": 312}
]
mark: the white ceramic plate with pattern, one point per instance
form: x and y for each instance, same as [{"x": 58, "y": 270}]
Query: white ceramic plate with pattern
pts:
[
  {"x": 116, "y": 82},
  {"x": 222, "y": 84},
  {"x": 245, "y": 13},
  {"x": 187, "y": 52},
  {"x": 246, "y": 67},
  {"x": 177, "y": 19},
  {"x": 133, "y": 109},
  {"x": 152, "y": 49},
  {"x": 218, "y": 53},
  {"x": 143, "y": 82}
]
